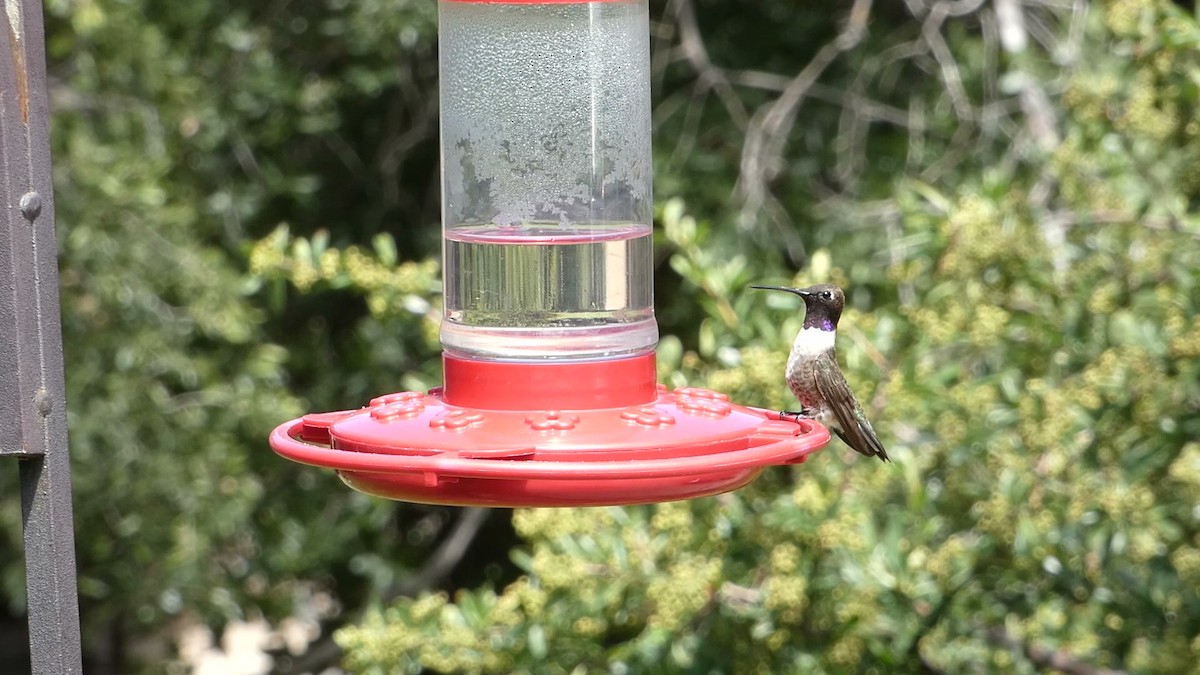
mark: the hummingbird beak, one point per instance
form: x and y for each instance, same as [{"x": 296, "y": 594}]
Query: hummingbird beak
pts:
[{"x": 795, "y": 291}]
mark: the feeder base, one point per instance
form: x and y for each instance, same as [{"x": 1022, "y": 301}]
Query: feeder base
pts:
[{"x": 415, "y": 447}]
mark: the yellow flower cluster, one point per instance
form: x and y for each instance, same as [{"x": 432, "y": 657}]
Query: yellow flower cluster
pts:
[
  {"x": 1175, "y": 654},
  {"x": 785, "y": 558},
  {"x": 787, "y": 596},
  {"x": 1125, "y": 17},
  {"x": 427, "y": 606},
  {"x": 810, "y": 498},
  {"x": 846, "y": 653},
  {"x": 685, "y": 587},
  {"x": 512, "y": 607},
  {"x": 1187, "y": 345},
  {"x": 1088, "y": 96},
  {"x": 842, "y": 533},
  {"x": 268, "y": 254},
  {"x": 1186, "y": 467},
  {"x": 391, "y": 637},
  {"x": 1145, "y": 114},
  {"x": 560, "y": 570},
  {"x": 306, "y": 263},
  {"x": 553, "y": 523}
]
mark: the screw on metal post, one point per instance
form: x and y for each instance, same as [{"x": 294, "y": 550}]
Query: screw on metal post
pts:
[{"x": 31, "y": 206}]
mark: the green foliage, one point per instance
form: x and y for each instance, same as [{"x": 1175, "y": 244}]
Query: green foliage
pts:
[
  {"x": 390, "y": 287},
  {"x": 1028, "y": 347},
  {"x": 1016, "y": 228}
]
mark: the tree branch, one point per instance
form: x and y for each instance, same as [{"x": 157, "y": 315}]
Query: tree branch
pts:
[
  {"x": 447, "y": 556},
  {"x": 1043, "y": 657},
  {"x": 762, "y": 153}
]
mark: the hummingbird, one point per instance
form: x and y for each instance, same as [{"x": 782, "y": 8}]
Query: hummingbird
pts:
[{"x": 813, "y": 374}]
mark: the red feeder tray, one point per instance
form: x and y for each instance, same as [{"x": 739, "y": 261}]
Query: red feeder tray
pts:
[{"x": 581, "y": 434}]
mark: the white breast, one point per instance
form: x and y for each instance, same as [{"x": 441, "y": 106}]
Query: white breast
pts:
[
  {"x": 809, "y": 343},
  {"x": 813, "y": 341}
]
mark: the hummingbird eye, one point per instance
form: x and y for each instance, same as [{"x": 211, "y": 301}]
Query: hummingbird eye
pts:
[{"x": 827, "y": 295}]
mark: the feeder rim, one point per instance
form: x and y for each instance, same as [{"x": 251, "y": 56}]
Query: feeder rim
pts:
[{"x": 804, "y": 438}]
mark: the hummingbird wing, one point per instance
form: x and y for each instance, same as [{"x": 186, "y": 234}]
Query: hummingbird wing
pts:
[{"x": 855, "y": 430}]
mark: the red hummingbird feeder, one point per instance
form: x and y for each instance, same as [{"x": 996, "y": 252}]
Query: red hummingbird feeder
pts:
[{"x": 550, "y": 395}]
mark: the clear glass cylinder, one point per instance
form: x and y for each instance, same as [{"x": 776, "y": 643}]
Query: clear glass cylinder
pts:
[{"x": 546, "y": 179}]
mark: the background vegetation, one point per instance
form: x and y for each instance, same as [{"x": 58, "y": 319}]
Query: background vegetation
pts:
[{"x": 247, "y": 198}]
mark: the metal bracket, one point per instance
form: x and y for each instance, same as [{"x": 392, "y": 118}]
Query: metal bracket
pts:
[{"x": 32, "y": 387}]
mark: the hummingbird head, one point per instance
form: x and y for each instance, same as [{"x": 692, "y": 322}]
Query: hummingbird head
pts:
[{"x": 823, "y": 304}]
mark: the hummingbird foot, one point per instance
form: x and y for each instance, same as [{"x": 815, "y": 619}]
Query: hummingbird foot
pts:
[{"x": 796, "y": 415}]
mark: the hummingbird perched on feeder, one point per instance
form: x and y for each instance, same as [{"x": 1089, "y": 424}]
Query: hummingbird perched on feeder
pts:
[{"x": 813, "y": 374}]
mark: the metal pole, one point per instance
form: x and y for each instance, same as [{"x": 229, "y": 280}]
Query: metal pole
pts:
[{"x": 32, "y": 388}]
